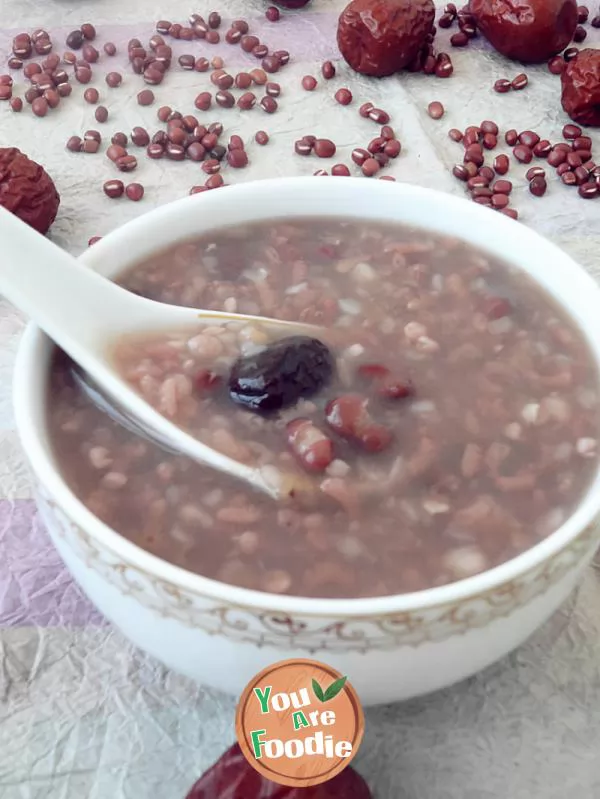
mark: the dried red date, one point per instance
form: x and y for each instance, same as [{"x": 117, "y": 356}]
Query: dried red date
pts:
[
  {"x": 310, "y": 446},
  {"x": 276, "y": 377},
  {"x": 232, "y": 777},
  {"x": 349, "y": 416},
  {"x": 27, "y": 190},
  {"x": 380, "y": 37},
  {"x": 530, "y": 31},
  {"x": 581, "y": 88}
]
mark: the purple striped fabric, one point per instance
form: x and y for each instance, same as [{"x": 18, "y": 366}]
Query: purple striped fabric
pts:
[{"x": 35, "y": 587}]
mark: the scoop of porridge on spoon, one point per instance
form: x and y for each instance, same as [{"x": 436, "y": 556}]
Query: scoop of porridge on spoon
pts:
[{"x": 86, "y": 315}]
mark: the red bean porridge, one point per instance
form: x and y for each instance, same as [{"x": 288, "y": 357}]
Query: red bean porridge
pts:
[{"x": 449, "y": 418}]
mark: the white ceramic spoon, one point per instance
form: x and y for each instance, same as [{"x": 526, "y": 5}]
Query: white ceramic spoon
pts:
[{"x": 84, "y": 313}]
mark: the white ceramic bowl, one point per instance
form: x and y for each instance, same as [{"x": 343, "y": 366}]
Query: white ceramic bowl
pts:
[{"x": 392, "y": 647}]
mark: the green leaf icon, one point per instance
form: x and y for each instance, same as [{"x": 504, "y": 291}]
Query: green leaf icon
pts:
[
  {"x": 331, "y": 692},
  {"x": 318, "y": 691},
  {"x": 334, "y": 689}
]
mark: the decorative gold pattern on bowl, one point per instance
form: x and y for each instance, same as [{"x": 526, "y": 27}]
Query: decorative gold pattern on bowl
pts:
[{"x": 313, "y": 634}]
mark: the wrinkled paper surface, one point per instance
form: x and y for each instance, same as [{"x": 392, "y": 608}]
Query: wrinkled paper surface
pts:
[{"x": 82, "y": 712}]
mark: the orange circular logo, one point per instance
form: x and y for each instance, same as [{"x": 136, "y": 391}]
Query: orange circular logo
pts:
[{"x": 299, "y": 723}]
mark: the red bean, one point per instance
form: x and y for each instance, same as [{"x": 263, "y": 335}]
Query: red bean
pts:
[
  {"x": 529, "y": 138},
  {"x": 114, "y": 188},
  {"x": 91, "y": 96},
  {"x": 349, "y": 416},
  {"x": 273, "y": 89},
  {"x": 324, "y": 148},
  {"x": 110, "y": 49},
  {"x": 203, "y": 101},
  {"x": 542, "y": 149},
  {"x": 520, "y": 82},
  {"x": 145, "y": 97},
  {"x": 309, "y": 83},
  {"x": 388, "y": 386},
  {"x": 114, "y": 79},
  {"x": 511, "y": 137},
  {"x": 272, "y": 14},
  {"x": 435, "y": 110},
  {"x": 39, "y": 107},
  {"x": 262, "y": 137},
  {"x": 588, "y": 191},
  {"x": 501, "y": 164},
  {"x": 502, "y": 86},
  {"x": 246, "y": 101},
  {"x": 134, "y": 192},
  {"x": 312, "y": 448},
  {"x": 370, "y": 167},
  {"x": 571, "y": 131},
  {"x": 523, "y": 154},
  {"x": 343, "y": 96},
  {"x": 556, "y": 65},
  {"x": 538, "y": 186},
  {"x": 379, "y": 116},
  {"x": 502, "y": 187},
  {"x": 328, "y": 70},
  {"x": 365, "y": 109},
  {"x": 16, "y": 104},
  {"x": 340, "y": 170},
  {"x": 269, "y": 104}
]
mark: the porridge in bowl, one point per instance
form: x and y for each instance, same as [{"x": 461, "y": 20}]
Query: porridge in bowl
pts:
[{"x": 444, "y": 418}]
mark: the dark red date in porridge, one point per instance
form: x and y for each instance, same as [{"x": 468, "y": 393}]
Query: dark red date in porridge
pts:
[{"x": 444, "y": 413}]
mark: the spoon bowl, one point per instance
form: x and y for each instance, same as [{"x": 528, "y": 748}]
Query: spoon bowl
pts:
[{"x": 84, "y": 314}]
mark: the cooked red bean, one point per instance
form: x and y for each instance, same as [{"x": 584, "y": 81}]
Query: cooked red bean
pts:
[
  {"x": 350, "y": 417},
  {"x": 312, "y": 448}
]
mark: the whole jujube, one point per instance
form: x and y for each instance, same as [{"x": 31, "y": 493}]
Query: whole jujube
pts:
[
  {"x": 27, "y": 190},
  {"x": 380, "y": 37},
  {"x": 581, "y": 88},
  {"x": 530, "y": 31},
  {"x": 232, "y": 777},
  {"x": 282, "y": 373}
]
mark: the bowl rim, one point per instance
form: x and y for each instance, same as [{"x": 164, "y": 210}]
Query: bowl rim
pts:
[{"x": 35, "y": 345}]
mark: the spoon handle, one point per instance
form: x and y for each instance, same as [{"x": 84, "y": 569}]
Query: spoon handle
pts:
[{"x": 66, "y": 299}]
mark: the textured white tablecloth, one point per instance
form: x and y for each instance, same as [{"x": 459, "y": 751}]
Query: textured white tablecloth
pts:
[{"x": 82, "y": 713}]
